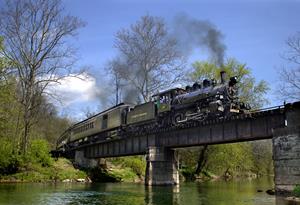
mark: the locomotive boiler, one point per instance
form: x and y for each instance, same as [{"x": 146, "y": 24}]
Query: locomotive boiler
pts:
[{"x": 201, "y": 101}]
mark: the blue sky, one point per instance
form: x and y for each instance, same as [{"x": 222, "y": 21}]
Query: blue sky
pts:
[{"x": 255, "y": 32}]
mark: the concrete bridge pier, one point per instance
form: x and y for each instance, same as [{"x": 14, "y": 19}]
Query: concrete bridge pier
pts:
[
  {"x": 83, "y": 162},
  {"x": 162, "y": 167},
  {"x": 286, "y": 153}
]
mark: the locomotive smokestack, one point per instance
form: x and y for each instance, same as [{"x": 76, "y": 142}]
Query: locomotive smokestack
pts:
[{"x": 223, "y": 76}]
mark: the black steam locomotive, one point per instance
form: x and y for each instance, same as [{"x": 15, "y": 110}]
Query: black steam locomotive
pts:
[{"x": 173, "y": 107}]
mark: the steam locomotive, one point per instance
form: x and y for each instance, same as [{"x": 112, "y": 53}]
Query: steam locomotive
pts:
[{"x": 172, "y": 107}]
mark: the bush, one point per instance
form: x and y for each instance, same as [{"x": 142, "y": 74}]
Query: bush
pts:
[
  {"x": 137, "y": 165},
  {"x": 296, "y": 191},
  {"x": 39, "y": 152},
  {"x": 64, "y": 169},
  {"x": 9, "y": 161},
  {"x": 98, "y": 174},
  {"x": 188, "y": 173}
]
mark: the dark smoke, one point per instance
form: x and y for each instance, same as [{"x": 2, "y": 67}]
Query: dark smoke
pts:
[
  {"x": 126, "y": 73},
  {"x": 193, "y": 33},
  {"x": 131, "y": 95}
]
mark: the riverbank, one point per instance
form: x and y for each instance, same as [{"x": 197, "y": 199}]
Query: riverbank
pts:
[
  {"x": 127, "y": 169},
  {"x": 62, "y": 170},
  {"x": 122, "y": 169},
  {"x": 59, "y": 170}
]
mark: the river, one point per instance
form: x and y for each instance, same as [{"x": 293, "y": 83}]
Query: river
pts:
[{"x": 241, "y": 192}]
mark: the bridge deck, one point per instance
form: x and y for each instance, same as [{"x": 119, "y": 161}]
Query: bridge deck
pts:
[{"x": 247, "y": 127}]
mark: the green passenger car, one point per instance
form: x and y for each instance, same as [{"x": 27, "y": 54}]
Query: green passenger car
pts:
[
  {"x": 141, "y": 113},
  {"x": 108, "y": 120}
]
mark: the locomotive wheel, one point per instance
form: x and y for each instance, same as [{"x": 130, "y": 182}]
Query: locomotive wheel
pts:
[{"x": 177, "y": 118}]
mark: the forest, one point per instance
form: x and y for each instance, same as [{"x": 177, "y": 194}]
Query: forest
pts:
[{"x": 35, "y": 54}]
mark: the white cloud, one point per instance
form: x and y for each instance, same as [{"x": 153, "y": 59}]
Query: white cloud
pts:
[{"x": 77, "y": 89}]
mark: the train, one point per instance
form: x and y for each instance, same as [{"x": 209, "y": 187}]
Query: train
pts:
[{"x": 201, "y": 101}]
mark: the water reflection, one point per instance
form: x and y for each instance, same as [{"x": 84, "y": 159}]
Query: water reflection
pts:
[
  {"x": 209, "y": 193},
  {"x": 162, "y": 195}
]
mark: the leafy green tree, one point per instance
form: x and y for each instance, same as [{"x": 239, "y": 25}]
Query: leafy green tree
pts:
[
  {"x": 238, "y": 156},
  {"x": 49, "y": 125},
  {"x": 35, "y": 34},
  {"x": 228, "y": 158},
  {"x": 46, "y": 129},
  {"x": 39, "y": 152},
  {"x": 250, "y": 91},
  {"x": 262, "y": 157},
  {"x": 10, "y": 112},
  {"x": 9, "y": 159},
  {"x": 9, "y": 107},
  {"x": 9, "y": 115}
]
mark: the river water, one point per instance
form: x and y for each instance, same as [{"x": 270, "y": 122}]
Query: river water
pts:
[{"x": 242, "y": 192}]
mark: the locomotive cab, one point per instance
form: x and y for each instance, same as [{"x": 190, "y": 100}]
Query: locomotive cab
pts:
[{"x": 163, "y": 100}]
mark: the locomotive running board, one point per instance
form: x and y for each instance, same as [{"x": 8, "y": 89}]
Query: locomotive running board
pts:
[
  {"x": 234, "y": 110},
  {"x": 181, "y": 121}
]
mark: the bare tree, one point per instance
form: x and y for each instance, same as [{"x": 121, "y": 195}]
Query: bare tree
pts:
[
  {"x": 35, "y": 33},
  {"x": 115, "y": 68},
  {"x": 290, "y": 77},
  {"x": 88, "y": 112},
  {"x": 151, "y": 58}
]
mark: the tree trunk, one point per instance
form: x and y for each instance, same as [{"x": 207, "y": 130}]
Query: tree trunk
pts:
[
  {"x": 28, "y": 104},
  {"x": 117, "y": 90},
  {"x": 202, "y": 159},
  {"x": 25, "y": 139}
]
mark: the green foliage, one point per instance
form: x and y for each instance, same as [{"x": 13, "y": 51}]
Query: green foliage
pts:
[
  {"x": 235, "y": 158},
  {"x": 296, "y": 191},
  {"x": 250, "y": 91},
  {"x": 136, "y": 163},
  {"x": 39, "y": 152},
  {"x": 262, "y": 157},
  {"x": 125, "y": 174},
  {"x": 64, "y": 169},
  {"x": 238, "y": 157},
  {"x": 61, "y": 169},
  {"x": 9, "y": 160},
  {"x": 37, "y": 161},
  {"x": 9, "y": 120},
  {"x": 189, "y": 156},
  {"x": 49, "y": 125},
  {"x": 9, "y": 110},
  {"x": 230, "y": 157},
  {"x": 188, "y": 173},
  {"x": 128, "y": 169},
  {"x": 102, "y": 175}
]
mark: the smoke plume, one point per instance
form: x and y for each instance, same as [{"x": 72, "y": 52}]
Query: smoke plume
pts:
[{"x": 193, "y": 33}]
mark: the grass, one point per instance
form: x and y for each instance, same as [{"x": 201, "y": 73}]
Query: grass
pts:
[
  {"x": 127, "y": 169},
  {"x": 59, "y": 170},
  {"x": 124, "y": 174},
  {"x": 296, "y": 191},
  {"x": 123, "y": 169}
]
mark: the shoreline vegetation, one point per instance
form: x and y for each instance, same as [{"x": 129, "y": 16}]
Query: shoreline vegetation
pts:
[
  {"x": 123, "y": 169},
  {"x": 40, "y": 167},
  {"x": 118, "y": 170}
]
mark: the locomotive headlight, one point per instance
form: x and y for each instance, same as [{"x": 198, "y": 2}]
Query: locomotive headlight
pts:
[
  {"x": 221, "y": 97},
  {"x": 233, "y": 81}
]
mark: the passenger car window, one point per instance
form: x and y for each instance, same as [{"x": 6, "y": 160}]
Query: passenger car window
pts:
[{"x": 104, "y": 121}]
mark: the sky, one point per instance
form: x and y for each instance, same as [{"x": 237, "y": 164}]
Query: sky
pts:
[{"x": 255, "y": 32}]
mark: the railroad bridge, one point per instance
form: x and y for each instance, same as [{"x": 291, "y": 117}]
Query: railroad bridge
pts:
[{"x": 281, "y": 124}]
